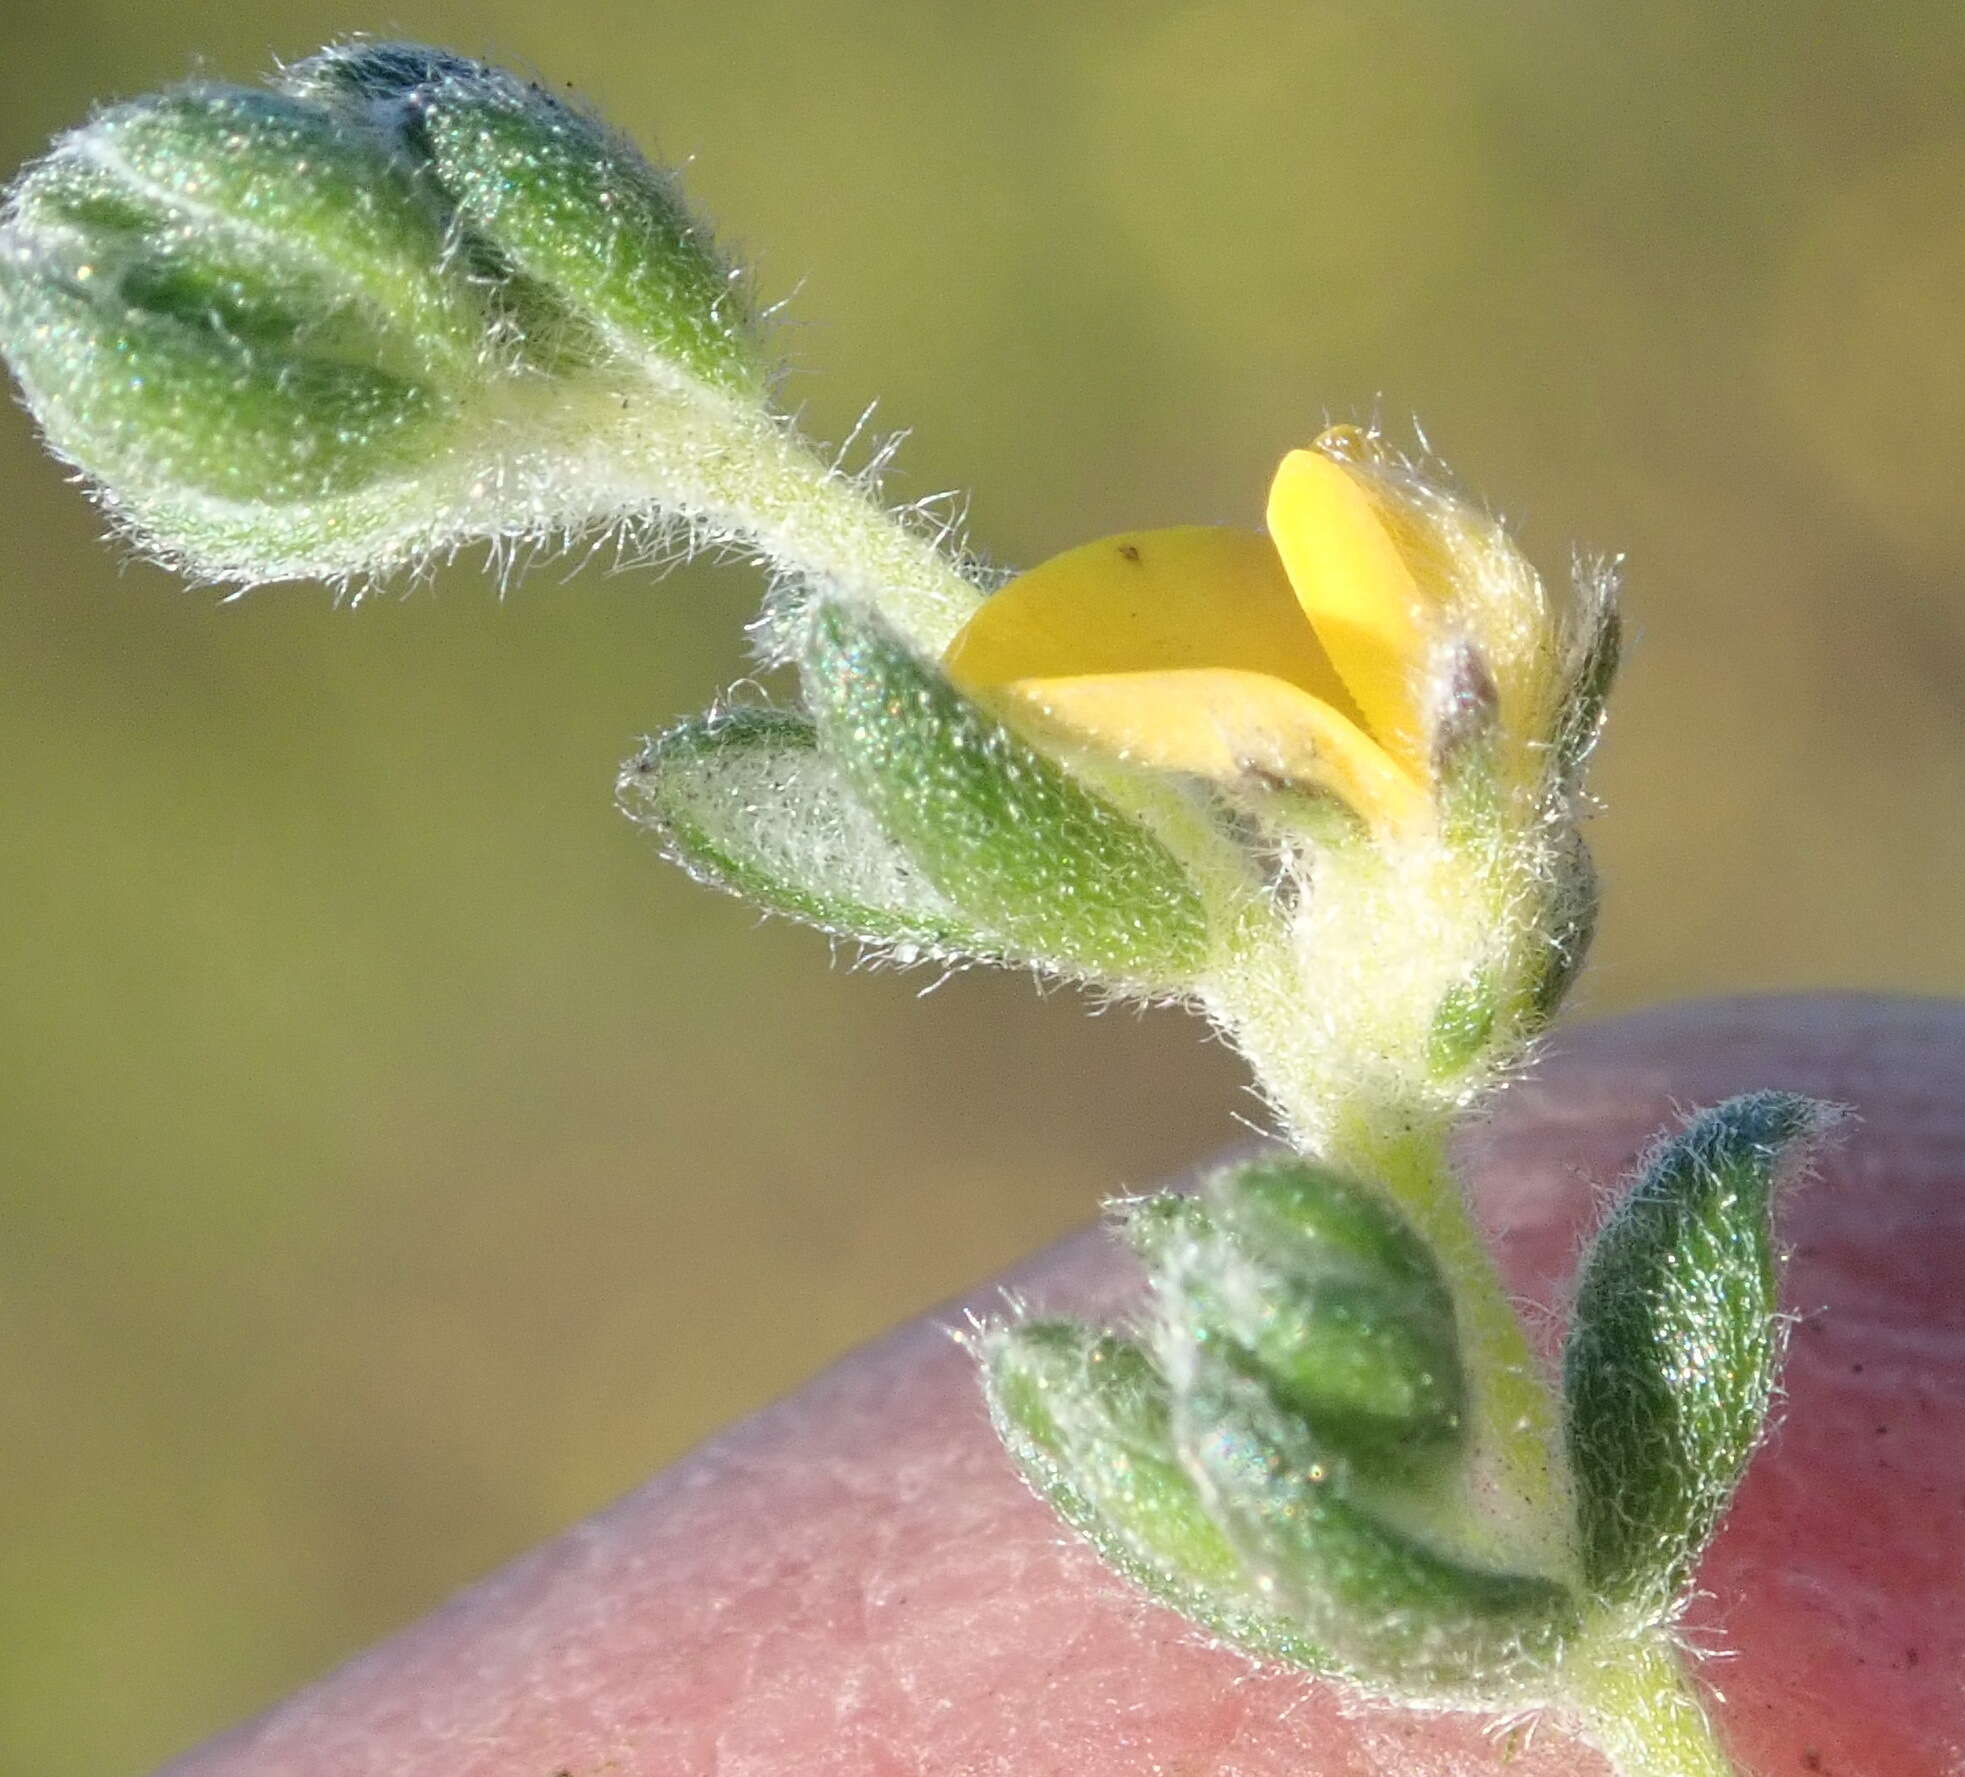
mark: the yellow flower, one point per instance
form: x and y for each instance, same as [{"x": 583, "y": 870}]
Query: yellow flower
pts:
[{"x": 1316, "y": 657}]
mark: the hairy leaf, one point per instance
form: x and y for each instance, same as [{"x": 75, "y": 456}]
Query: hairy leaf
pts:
[
  {"x": 1087, "y": 1419},
  {"x": 1672, "y": 1354},
  {"x": 746, "y": 801},
  {"x": 1398, "y": 1614}
]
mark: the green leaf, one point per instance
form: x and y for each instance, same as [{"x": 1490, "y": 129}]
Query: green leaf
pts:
[
  {"x": 226, "y": 295},
  {"x": 1336, "y": 1304},
  {"x": 1086, "y": 1418},
  {"x": 1673, "y": 1350},
  {"x": 558, "y": 207},
  {"x": 744, "y": 800},
  {"x": 1399, "y": 1615},
  {"x": 1004, "y": 832}
]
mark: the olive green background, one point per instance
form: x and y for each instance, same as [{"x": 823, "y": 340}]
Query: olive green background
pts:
[{"x": 397, "y": 1160}]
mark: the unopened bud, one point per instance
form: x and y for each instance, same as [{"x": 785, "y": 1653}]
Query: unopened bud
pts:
[
  {"x": 1391, "y": 1608},
  {"x": 391, "y": 308},
  {"x": 1326, "y": 1290}
]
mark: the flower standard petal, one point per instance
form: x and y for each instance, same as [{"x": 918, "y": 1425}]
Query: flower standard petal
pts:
[
  {"x": 1359, "y": 591},
  {"x": 1149, "y": 601}
]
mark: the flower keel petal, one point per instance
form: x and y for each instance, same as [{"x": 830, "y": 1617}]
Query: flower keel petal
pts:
[{"x": 1237, "y": 728}]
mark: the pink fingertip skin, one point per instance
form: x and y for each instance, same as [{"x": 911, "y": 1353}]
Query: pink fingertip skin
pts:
[{"x": 854, "y": 1583}]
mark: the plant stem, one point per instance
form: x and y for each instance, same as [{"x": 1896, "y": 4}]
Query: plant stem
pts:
[
  {"x": 745, "y": 474},
  {"x": 1635, "y": 1702},
  {"x": 1515, "y": 1458}
]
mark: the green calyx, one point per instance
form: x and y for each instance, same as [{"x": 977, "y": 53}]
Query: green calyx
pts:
[
  {"x": 1397, "y": 1614},
  {"x": 190, "y": 320},
  {"x": 1056, "y": 874},
  {"x": 1564, "y": 932},
  {"x": 1587, "y": 692},
  {"x": 902, "y": 816},
  {"x": 747, "y": 801},
  {"x": 1313, "y": 1281}
]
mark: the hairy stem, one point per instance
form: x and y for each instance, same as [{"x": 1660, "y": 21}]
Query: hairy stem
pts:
[
  {"x": 1515, "y": 1453},
  {"x": 1635, "y": 1702},
  {"x": 744, "y": 472},
  {"x": 740, "y": 470}
]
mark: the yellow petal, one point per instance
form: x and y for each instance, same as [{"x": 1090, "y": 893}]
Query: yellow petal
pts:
[
  {"x": 1233, "y": 726},
  {"x": 1150, "y": 601},
  {"x": 1355, "y": 585}
]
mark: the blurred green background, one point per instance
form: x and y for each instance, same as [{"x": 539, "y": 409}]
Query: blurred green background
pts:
[{"x": 397, "y": 1160}]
